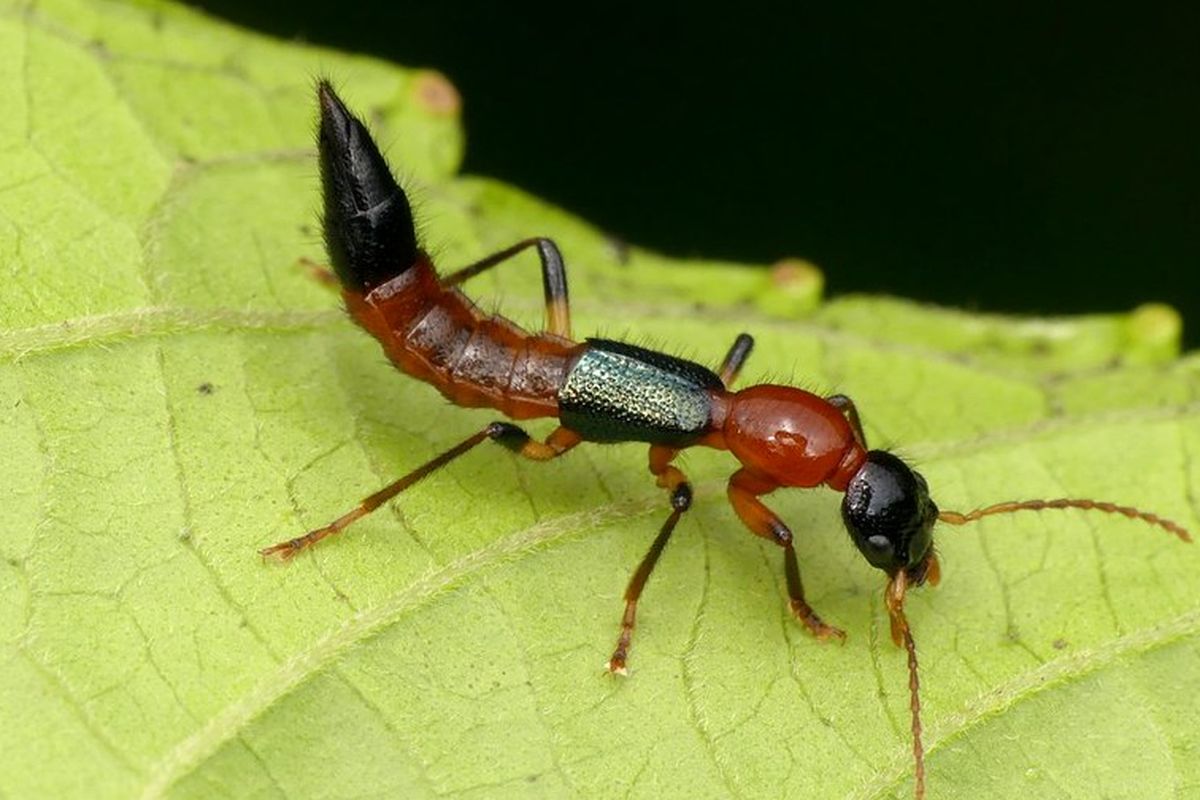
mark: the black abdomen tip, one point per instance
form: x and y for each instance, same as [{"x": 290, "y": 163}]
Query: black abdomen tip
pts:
[{"x": 368, "y": 223}]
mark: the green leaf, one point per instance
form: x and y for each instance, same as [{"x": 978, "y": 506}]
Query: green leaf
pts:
[{"x": 176, "y": 393}]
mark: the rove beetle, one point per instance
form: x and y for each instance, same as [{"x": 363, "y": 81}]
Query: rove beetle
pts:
[{"x": 608, "y": 391}]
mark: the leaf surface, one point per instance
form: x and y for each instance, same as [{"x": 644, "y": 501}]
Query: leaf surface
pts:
[{"x": 176, "y": 393}]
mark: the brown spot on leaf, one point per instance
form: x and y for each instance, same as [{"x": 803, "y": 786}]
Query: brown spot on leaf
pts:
[{"x": 435, "y": 93}]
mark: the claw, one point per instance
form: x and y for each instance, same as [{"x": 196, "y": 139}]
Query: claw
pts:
[
  {"x": 616, "y": 664},
  {"x": 816, "y": 626},
  {"x": 284, "y": 551}
]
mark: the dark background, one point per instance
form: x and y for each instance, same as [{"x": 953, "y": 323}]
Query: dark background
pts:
[{"x": 1041, "y": 161}]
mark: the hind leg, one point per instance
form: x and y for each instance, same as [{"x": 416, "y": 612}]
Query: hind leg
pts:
[
  {"x": 554, "y": 280},
  {"x": 505, "y": 433}
]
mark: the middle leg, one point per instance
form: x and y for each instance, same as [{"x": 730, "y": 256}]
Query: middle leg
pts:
[
  {"x": 739, "y": 351},
  {"x": 674, "y": 481}
]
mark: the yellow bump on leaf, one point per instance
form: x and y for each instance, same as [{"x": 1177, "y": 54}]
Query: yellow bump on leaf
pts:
[{"x": 1156, "y": 325}]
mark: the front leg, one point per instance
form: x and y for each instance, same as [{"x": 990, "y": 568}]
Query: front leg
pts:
[
  {"x": 744, "y": 490},
  {"x": 844, "y": 404}
]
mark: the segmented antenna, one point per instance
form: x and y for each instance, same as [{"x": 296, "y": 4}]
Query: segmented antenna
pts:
[
  {"x": 902, "y": 634},
  {"x": 958, "y": 518}
]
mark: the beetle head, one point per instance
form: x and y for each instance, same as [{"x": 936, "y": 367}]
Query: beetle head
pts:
[{"x": 890, "y": 517}]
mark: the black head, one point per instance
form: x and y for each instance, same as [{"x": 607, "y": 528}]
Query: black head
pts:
[
  {"x": 368, "y": 223},
  {"x": 890, "y": 517}
]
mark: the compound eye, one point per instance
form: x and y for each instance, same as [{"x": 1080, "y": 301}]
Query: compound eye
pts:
[{"x": 881, "y": 547}]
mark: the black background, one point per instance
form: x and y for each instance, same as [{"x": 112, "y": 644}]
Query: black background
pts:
[{"x": 1040, "y": 160}]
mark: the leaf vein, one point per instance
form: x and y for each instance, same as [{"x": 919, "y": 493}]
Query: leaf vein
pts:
[
  {"x": 17, "y": 344},
  {"x": 1026, "y": 686},
  {"x": 290, "y": 674}
]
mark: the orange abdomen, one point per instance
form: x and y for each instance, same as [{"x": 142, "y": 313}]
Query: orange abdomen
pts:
[{"x": 475, "y": 360}]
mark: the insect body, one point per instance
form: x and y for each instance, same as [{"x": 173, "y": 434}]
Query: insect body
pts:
[{"x": 606, "y": 391}]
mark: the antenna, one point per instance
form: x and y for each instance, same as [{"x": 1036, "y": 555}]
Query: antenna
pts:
[
  {"x": 901, "y": 634},
  {"x": 1008, "y": 507}
]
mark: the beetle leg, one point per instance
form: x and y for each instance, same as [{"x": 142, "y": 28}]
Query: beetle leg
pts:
[
  {"x": 554, "y": 280},
  {"x": 514, "y": 438},
  {"x": 320, "y": 273},
  {"x": 845, "y": 405},
  {"x": 744, "y": 489},
  {"x": 673, "y": 480},
  {"x": 739, "y": 351}
]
